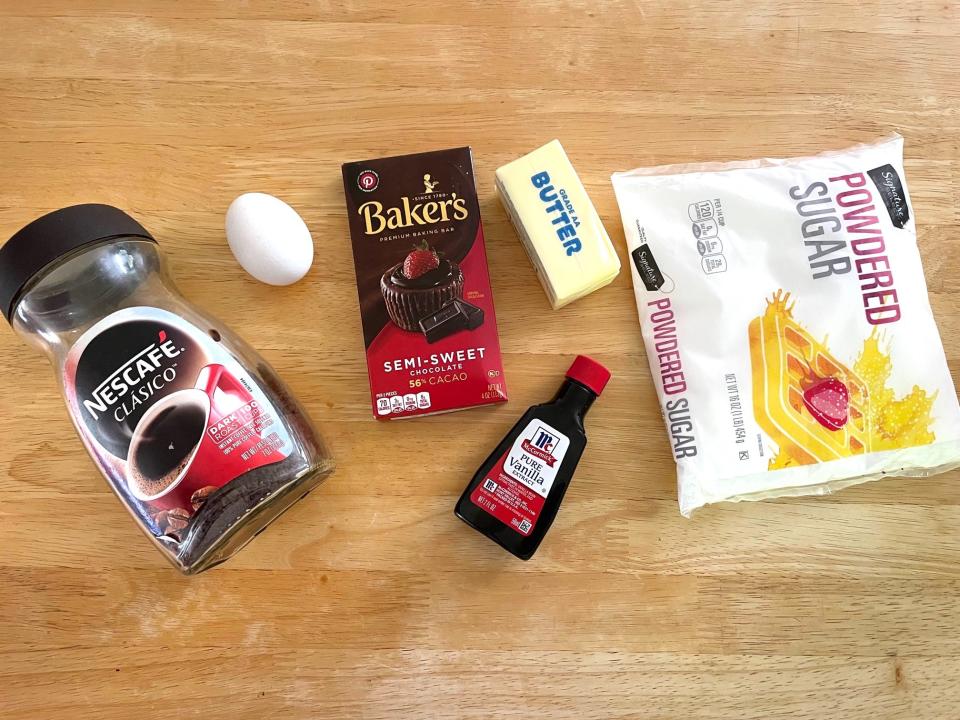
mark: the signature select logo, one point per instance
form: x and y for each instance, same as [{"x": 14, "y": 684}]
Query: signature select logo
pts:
[{"x": 891, "y": 188}]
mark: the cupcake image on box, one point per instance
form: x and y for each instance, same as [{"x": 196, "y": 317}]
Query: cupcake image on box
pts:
[{"x": 420, "y": 286}]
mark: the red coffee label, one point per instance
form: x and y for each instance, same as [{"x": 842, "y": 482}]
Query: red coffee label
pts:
[
  {"x": 167, "y": 412},
  {"x": 426, "y": 305}
]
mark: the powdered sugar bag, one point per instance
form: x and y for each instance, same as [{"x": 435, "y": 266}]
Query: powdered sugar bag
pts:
[{"x": 786, "y": 320}]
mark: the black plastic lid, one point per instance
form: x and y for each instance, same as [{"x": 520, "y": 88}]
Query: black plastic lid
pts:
[{"x": 54, "y": 235}]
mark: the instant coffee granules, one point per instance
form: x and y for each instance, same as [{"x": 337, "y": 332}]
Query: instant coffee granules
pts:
[{"x": 193, "y": 431}]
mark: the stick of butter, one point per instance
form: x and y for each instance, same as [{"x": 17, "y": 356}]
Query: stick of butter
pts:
[{"x": 558, "y": 224}]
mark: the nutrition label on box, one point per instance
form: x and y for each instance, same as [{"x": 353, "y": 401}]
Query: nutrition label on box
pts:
[{"x": 396, "y": 404}]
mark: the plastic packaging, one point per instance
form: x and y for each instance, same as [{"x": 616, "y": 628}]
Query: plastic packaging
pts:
[{"x": 786, "y": 321}]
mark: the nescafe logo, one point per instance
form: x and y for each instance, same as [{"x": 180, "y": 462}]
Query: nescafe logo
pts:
[
  {"x": 127, "y": 368},
  {"x": 142, "y": 368}
]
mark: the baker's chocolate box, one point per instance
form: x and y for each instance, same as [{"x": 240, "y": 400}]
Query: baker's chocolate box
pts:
[{"x": 426, "y": 306}]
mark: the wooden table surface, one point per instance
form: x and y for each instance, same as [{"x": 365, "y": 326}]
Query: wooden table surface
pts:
[{"x": 369, "y": 599}]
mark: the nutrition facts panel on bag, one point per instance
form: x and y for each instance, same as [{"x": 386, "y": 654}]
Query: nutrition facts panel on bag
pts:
[{"x": 707, "y": 219}]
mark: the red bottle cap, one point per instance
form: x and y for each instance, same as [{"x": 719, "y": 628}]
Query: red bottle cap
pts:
[{"x": 589, "y": 372}]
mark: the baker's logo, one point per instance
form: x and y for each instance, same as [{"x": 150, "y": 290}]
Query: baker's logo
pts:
[
  {"x": 429, "y": 185},
  {"x": 409, "y": 213}
]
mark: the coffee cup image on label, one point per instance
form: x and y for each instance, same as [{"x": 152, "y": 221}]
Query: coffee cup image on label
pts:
[{"x": 184, "y": 442}]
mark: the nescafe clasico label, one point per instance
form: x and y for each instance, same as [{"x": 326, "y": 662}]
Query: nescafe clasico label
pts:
[
  {"x": 167, "y": 411},
  {"x": 425, "y": 300},
  {"x": 124, "y": 370}
]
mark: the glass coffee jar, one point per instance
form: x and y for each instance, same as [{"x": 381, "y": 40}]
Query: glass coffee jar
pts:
[{"x": 193, "y": 430}]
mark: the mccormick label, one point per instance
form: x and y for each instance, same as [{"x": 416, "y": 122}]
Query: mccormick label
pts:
[
  {"x": 429, "y": 326},
  {"x": 516, "y": 488}
]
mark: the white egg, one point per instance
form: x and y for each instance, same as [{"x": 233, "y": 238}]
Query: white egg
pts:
[{"x": 269, "y": 239}]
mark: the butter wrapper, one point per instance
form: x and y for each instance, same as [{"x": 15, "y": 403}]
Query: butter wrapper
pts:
[{"x": 557, "y": 223}]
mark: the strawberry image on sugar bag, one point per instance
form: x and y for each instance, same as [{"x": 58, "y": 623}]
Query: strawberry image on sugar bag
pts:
[
  {"x": 827, "y": 401},
  {"x": 426, "y": 306},
  {"x": 786, "y": 321}
]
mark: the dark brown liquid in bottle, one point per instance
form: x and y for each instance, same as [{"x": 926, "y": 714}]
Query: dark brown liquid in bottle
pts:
[{"x": 483, "y": 509}]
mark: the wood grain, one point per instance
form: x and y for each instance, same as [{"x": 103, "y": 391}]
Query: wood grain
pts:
[{"x": 369, "y": 600}]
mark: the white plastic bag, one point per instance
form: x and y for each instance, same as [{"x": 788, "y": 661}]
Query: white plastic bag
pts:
[{"x": 786, "y": 320}]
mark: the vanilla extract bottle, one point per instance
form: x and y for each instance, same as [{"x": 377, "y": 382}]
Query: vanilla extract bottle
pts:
[{"x": 515, "y": 495}]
